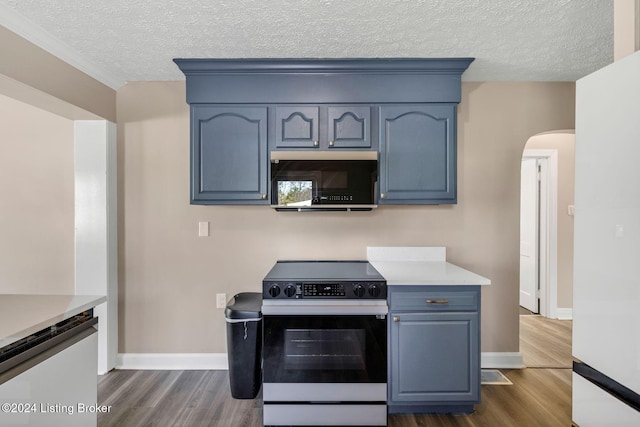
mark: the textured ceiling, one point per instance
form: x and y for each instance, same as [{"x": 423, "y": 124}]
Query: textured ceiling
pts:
[{"x": 512, "y": 40}]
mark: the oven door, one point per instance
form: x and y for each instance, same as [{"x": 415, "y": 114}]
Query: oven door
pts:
[
  {"x": 324, "y": 362},
  {"x": 325, "y": 345}
]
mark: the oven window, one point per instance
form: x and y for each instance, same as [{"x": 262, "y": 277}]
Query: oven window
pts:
[
  {"x": 335, "y": 349},
  {"x": 325, "y": 349}
]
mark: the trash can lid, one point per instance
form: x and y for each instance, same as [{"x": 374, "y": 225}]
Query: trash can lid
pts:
[{"x": 245, "y": 305}]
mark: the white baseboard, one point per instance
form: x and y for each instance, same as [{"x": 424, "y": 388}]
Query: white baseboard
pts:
[
  {"x": 173, "y": 361},
  {"x": 501, "y": 360},
  {"x": 219, "y": 361},
  {"x": 564, "y": 313}
]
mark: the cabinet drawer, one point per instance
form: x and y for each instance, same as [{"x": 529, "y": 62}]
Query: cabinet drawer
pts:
[{"x": 434, "y": 301}]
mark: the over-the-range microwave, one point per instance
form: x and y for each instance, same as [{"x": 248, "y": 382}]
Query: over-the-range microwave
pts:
[{"x": 324, "y": 180}]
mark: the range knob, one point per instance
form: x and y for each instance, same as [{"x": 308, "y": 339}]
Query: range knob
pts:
[
  {"x": 358, "y": 290},
  {"x": 374, "y": 290},
  {"x": 274, "y": 291},
  {"x": 290, "y": 291}
]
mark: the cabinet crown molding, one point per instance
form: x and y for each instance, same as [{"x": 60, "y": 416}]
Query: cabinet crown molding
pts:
[
  {"x": 310, "y": 80},
  {"x": 191, "y": 66}
]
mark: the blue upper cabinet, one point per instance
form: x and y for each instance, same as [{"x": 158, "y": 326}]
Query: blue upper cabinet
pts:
[
  {"x": 402, "y": 108},
  {"x": 349, "y": 127},
  {"x": 229, "y": 162},
  {"x": 323, "y": 81},
  {"x": 323, "y": 127},
  {"x": 297, "y": 127},
  {"x": 418, "y": 154}
]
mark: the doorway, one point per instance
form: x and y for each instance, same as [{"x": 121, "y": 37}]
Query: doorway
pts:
[
  {"x": 538, "y": 231},
  {"x": 530, "y": 232}
]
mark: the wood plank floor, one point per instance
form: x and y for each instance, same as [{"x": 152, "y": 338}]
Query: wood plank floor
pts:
[
  {"x": 539, "y": 396},
  {"x": 173, "y": 398},
  {"x": 545, "y": 343}
]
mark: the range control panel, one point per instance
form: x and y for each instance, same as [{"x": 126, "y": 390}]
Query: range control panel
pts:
[
  {"x": 348, "y": 290},
  {"x": 311, "y": 290}
]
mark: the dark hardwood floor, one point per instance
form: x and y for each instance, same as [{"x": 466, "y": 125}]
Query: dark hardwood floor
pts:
[
  {"x": 174, "y": 398},
  {"x": 539, "y": 397}
]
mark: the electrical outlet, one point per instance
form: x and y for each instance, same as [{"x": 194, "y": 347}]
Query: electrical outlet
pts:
[{"x": 221, "y": 300}]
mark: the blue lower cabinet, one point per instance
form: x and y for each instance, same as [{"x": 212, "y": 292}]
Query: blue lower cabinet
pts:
[
  {"x": 434, "y": 349},
  {"x": 229, "y": 158},
  {"x": 418, "y": 154}
]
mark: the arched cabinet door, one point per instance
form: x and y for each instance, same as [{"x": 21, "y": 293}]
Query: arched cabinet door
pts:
[
  {"x": 229, "y": 160},
  {"x": 323, "y": 127},
  {"x": 349, "y": 127},
  {"x": 297, "y": 127},
  {"x": 418, "y": 154}
]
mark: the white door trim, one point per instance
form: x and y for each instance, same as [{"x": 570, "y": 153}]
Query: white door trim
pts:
[{"x": 548, "y": 230}]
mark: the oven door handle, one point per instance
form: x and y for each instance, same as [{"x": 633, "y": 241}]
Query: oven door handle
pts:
[{"x": 324, "y": 308}]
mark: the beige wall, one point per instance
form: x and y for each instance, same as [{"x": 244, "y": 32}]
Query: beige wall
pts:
[
  {"x": 36, "y": 196},
  {"x": 169, "y": 276},
  {"x": 626, "y": 28},
  {"x": 33, "y": 67},
  {"x": 564, "y": 142}
]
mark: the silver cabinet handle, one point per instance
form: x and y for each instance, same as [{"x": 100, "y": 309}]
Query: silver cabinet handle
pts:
[
  {"x": 315, "y": 143},
  {"x": 263, "y": 196},
  {"x": 383, "y": 195},
  {"x": 437, "y": 301},
  {"x": 330, "y": 143},
  {"x": 396, "y": 318}
]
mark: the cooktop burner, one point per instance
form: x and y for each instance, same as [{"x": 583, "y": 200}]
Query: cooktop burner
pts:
[{"x": 324, "y": 279}]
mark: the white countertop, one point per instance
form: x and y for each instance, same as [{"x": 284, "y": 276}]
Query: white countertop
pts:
[
  {"x": 420, "y": 266},
  {"x": 22, "y": 315},
  {"x": 427, "y": 273}
]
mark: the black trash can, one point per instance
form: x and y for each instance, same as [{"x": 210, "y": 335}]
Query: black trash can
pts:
[{"x": 244, "y": 344}]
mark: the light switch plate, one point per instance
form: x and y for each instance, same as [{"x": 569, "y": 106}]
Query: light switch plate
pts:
[{"x": 203, "y": 229}]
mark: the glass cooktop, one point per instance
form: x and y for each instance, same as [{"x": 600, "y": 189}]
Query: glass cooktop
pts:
[{"x": 338, "y": 271}]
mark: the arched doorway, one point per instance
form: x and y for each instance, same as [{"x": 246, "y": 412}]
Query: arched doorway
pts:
[{"x": 546, "y": 246}]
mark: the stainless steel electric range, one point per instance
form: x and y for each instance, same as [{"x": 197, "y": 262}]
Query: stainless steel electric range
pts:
[{"x": 324, "y": 344}]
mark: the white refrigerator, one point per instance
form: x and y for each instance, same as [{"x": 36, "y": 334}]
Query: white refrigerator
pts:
[{"x": 606, "y": 296}]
